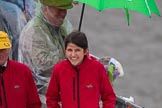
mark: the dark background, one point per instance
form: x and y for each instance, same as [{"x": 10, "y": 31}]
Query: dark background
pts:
[{"x": 138, "y": 47}]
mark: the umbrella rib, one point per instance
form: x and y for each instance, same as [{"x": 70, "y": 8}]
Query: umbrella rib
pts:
[
  {"x": 101, "y": 5},
  {"x": 148, "y": 7}
]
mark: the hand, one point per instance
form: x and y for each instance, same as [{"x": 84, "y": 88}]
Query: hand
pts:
[{"x": 26, "y": 16}]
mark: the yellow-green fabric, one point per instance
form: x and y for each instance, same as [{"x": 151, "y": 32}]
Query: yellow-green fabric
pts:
[
  {"x": 61, "y": 4},
  {"x": 110, "y": 71}
]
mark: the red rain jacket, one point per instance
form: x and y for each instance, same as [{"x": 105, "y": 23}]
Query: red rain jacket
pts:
[
  {"x": 18, "y": 87},
  {"x": 80, "y": 87}
]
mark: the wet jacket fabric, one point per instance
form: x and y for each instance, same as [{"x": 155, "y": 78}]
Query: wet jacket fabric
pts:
[
  {"x": 18, "y": 89},
  {"x": 15, "y": 20},
  {"x": 41, "y": 47},
  {"x": 80, "y": 87},
  {"x": 30, "y": 5}
]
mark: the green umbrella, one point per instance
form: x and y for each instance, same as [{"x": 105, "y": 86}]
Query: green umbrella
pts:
[{"x": 143, "y": 6}]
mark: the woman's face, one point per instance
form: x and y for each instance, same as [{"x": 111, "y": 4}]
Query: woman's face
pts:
[
  {"x": 4, "y": 54},
  {"x": 75, "y": 54},
  {"x": 54, "y": 15}
]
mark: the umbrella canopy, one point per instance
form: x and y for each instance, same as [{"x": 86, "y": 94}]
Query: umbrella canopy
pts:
[{"x": 143, "y": 6}]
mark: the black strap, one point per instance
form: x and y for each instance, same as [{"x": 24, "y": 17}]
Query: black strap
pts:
[
  {"x": 2, "y": 69},
  {"x": 4, "y": 92}
]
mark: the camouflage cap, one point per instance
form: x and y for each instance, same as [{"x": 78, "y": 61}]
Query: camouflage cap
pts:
[
  {"x": 61, "y": 4},
  {"x": 4, "y": 40}
]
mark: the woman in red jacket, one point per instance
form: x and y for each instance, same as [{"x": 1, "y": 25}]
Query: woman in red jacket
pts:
[
  {"x": 79, "y": 81},
  {"x": 17, "y": 87}
]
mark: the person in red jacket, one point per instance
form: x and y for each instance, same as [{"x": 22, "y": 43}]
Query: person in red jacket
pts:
[
  {"x": 17, "y": 87},
  {"x": 79, "y": 81}
]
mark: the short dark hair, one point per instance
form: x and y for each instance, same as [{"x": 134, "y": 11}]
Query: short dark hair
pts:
[{"x": 78, "y": 38}]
